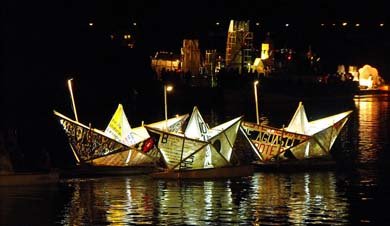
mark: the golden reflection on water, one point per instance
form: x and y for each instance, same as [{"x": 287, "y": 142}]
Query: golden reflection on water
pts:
[
  {"x": 195, "y": 202},
  {"x": 373, "y": 116},
  {"x": 299, "y": 198},
  {"x": 265, "y": 198}
]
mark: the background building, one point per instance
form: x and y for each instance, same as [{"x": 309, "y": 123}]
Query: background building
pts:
[
  {"x": 239, "y": 46},
  {"x": 165, "y": 61},
  {"x": 190, "y": 57}
]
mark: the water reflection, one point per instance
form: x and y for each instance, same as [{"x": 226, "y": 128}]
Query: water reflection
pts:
[
  {"x": 373, "y": 118},
  {"x": 300, "y": 198},
  {"x": 265, "y": 198}
]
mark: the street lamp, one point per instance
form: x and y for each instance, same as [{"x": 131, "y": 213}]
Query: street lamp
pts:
[
  {"x": 71, "y": 95},
  {"x": 167, "y": 88},
  {"x": 256, "y": 101}
]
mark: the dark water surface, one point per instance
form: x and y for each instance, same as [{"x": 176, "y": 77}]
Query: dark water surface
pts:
[{"x": 357, "y": 193}]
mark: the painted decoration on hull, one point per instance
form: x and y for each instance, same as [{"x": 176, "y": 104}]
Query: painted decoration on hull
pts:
[
  {"x": 301, "y": 139},
  {"x": 88, "y": 143},
  {"x": 119, "y": 145},
  {"x": 270, "y": 142}
]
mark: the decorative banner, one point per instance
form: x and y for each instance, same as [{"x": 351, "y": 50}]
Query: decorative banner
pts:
[{"x": 271, "y": 142}]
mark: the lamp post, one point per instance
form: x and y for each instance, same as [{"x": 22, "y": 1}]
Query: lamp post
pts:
[
  {"x": 256, "y": 101},
  {"x": 167, "y": 88},
  {"x": 71, "y": 95}
]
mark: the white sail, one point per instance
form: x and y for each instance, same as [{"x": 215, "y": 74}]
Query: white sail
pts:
[
  {"x": 299, "y": 122},
  {"x": 196, "y": 127}
]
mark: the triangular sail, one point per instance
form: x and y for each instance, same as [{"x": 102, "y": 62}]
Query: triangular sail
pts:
[
  {"x": 196, "y": 127},
  {"x": 299, "y": 122},
  {"x": 119, "y": 127}
]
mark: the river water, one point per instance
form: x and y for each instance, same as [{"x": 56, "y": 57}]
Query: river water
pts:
[{"x": 357, "y": 193}]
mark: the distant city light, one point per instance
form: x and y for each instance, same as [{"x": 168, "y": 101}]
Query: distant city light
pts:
[
  {"x": 217, "y": 23},
  {"x": 257, "y": 24},
  {"x": 357, "y": 25},
  {"x": 90, "y": 24},
  {"x": 381, "y": 24},
  {"x": 333, "y": 24},
  {"x": 322, "y": 25},
  {"x": 344, "y": 24},
  {"x": 287, "y": 25},
  {"x": 134, "y": 24}
]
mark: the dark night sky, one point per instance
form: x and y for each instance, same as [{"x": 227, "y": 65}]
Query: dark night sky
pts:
[{"x": 43, "y": 42}]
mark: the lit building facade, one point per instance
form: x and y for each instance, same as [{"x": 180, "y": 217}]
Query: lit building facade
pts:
[
  {"x": 190, "y": 56},
  {"x": 239, "y": 46},
  {"x": 167, "y": 61}
]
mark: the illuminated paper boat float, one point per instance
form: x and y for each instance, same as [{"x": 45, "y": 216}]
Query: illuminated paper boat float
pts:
[
  {"x": 199, "y": 152},
  {"x": 118, "y": 145},
  {"x": 301, "y": 141}
]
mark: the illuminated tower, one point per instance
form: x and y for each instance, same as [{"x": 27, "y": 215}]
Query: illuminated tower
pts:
[
  {"x": 210, "y": 61},
  {"x": 239, "y": 46},
  {"x": 191, "y": 56}
]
